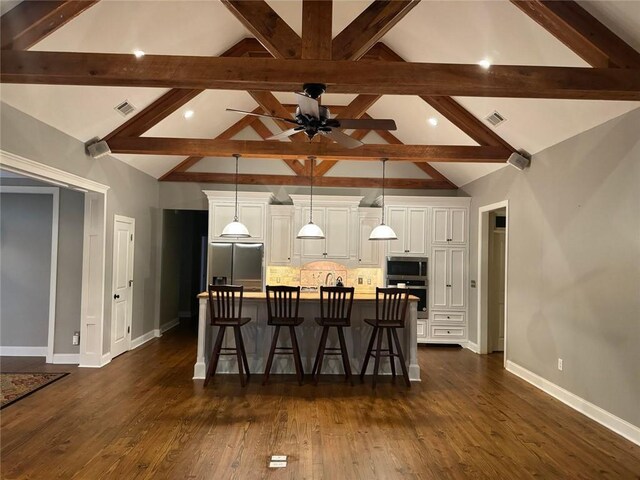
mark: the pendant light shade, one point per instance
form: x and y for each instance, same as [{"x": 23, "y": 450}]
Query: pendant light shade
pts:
[
  {"x": 311, "y": 231},
  {"x": 382, "y": 231},
  {"x": 235, "y": 229}
]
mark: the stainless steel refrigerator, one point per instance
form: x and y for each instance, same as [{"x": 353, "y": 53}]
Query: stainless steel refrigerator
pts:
[{"x": 236, "y": 264}]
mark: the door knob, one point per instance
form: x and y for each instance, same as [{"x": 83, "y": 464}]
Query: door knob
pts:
[{"x": 116, "y": 296}]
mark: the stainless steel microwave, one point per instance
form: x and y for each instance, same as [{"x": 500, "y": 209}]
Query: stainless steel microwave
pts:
[{"x": 407, "y": 268}]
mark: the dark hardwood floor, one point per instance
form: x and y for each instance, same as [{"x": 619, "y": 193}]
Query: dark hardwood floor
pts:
[{"x": 143, "y": 417}]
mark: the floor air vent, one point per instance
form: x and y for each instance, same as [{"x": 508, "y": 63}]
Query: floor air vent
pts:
[
  {"x": 125, "y": 108},
  {"x": 495, "y": 119}
]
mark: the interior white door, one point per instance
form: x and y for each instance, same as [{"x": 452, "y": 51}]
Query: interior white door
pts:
[
  {"x": 122, "y": 297},
  {"x": 496, "y": 290}
]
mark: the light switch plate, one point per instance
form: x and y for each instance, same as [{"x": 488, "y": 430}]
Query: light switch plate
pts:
[
  {"x": 278, "y": 458},
  {"x": 277, "y": 464}
]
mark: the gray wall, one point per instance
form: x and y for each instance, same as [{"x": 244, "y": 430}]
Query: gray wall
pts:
[
  {"x": 69, "y": 275},
  {"x": 25, "y": 266},
  {"x": 574, "y": 263},
  {"x": 132, "y": 193}
]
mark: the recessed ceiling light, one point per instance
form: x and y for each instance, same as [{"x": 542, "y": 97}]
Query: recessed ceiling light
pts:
[
  {"x": 188, "y": 114},
  {"x": 138, "y": 53},
  {"x": 485, "y": 63},
  {"x": 433, "y": 121}
]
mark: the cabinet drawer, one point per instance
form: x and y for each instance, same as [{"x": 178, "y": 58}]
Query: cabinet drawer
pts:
[
  {"x": 445, "y": 331},
  {"x": 448, "y": 317}
]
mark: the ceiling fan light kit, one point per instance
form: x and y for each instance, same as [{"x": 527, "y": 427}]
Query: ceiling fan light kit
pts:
[
  {"x": 235, "y": 229},
  {"x": 313, "y": 119},
  {"x": 311, "y": 231},
  {"x": 382, "y": 231}
]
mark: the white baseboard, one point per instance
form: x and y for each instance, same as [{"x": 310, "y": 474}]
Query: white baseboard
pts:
[
  {"x": 23, "y": 351},
  {"x": 613, "y": 423},
  {"x": 66, "y": 358},
  {"x": 106, "y": 358},
  {"x": 169, "y": 325},
  {"x": 471, "y": 346},
  {"x": 142, "y": 339}
]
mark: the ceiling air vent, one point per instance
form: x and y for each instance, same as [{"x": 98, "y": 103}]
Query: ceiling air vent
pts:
[
  {"x": 125, "y": 108},
  {"x": 495, "y": 119}
]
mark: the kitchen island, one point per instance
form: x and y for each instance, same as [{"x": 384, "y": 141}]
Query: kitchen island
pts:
[{"x": 257, "y": 337}]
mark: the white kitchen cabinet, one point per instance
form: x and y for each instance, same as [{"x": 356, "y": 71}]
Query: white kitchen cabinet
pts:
[
  {"x": 335, "y": 223},
  {"x": 280, "y": 236},
  {"x": 410, "y": 225},
  {"x": 252, "y": 211},
  {"x": 368, "y": 251},
  {"x": 449, "y": 226},
  {"x": 448, "y": 277}
]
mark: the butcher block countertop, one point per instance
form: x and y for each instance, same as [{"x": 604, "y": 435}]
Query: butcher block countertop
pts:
[{"x": 311, "y": 296}]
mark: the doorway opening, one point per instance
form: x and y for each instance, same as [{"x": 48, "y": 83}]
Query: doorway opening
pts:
[
  {"x": 184, "y": 266},
  {"x": 493, "y": 245}
]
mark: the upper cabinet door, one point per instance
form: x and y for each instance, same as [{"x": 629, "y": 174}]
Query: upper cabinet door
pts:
[
  {"x": 337, "y": 232},
  {"x": 458, "y": 226},
  {"x": 314, "y": 248},
  {"x": 397, "y": 220},
  {"x": 252, "y": 215},
  {"x": 280, "y": 240},
  {"x": 417, "y": 231},
  {"x": 368, "y": 251},
  {"x": 440, "y": 225},
  {"x": 219, "y": 217}
]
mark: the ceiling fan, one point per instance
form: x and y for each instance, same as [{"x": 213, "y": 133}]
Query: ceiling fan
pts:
[{"x": 312, "y": 119}]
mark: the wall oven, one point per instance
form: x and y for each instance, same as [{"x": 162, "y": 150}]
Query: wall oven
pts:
[{"x": 413, "y": 272}]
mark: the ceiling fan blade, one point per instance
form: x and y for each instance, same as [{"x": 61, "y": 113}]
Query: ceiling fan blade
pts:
[
  {"x": 289, "y": 120},
  {"x": 364, "y": 123},
  {"x": 286, "y": 133},
  {"x": 342, "y": 138},
  {"x": 308, "y": 106}
]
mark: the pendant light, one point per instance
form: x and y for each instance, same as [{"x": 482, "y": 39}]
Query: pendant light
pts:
[
  {"x": 235, "y": 229},
  {"x": 382, "y": 231},
  {"x": 311, "y": 231}
]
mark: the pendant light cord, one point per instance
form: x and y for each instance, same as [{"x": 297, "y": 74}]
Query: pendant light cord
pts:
[
  {"x": 313, "y": 161},
  {"x": 235, "y": 217},
  {"x": 384, "y": 161}
]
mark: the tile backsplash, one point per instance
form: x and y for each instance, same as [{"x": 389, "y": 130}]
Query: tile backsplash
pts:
[{"x": 319, "y": 273}]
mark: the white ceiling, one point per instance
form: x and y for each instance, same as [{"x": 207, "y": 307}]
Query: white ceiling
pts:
[{"x": 434, "y": 31}]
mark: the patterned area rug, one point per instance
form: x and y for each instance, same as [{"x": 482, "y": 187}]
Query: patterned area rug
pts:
[{"x": 15, "y": 386}]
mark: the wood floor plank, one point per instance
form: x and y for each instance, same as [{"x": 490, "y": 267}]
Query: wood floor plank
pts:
[{"x": 142, "y": 417}]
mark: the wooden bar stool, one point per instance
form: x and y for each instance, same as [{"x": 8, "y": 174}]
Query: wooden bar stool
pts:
[
  {"x": 335, "y": 311},
  {"x": 282, "y": 311},
  {"x": 391, "y": 312},
  {"x": 225, "y": 308}
]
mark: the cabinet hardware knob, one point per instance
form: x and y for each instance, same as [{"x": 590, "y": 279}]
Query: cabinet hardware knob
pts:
[
  {"x": 406, "y": 251},
  {"x": 288, "y": 258},
  {"x": 448, "y": 316},
  {"x": 116, "y": 296},
  {"x": 448, "y": 331}
]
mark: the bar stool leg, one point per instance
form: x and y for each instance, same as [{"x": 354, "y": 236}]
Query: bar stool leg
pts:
[
  {"x": 376, "y": 364},
  {"x": 392, "y": 358},
  {"x": 215, "y": 355},
  {"x": 315, "y": 362},
  {"x": 236, "y": 333},
  {"x": 244, "y": 354},
  {"x": 274, "y": 343},
  {"x": 405, "y": 374},
  {"x": 320, "y": 356},
  {"x": 345, "y": 355},
  {"x": 368, "y": 354},
  {"x": 296, "y": 355}
]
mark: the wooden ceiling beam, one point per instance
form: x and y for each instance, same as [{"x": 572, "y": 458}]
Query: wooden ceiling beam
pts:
[
  {"x": 29, "y": 22},
  {"x": 341, "y": 182},
  {"x": 316, "y": 29},
  {"x": 357, "y": 38},
  {"x": 229, "y": 133},
  {"x": 66, "y": 68},
  {"x": 293, "y": 150},
  {"x": 581, "y": 32},
  {"x": 266, "y": 25}
]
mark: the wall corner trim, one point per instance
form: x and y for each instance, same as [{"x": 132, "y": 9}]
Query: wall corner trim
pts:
[{"x": 604, "y": 418}]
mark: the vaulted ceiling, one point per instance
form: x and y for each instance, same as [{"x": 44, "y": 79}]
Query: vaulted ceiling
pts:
[{"x": 407, "y": 60}]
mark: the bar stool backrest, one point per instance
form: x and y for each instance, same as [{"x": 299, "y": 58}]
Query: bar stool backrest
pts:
[
  {"x": 335, "y": 304},
  {"x": 225, "y": 302},
  {"x": 282, "y": 302},
  {"x": 393, "y": 307}
]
